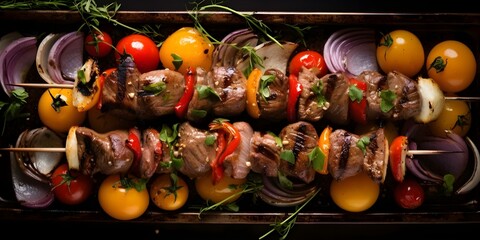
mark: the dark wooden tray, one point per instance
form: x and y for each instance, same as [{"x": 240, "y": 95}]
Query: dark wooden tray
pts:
[{"x": 320, "y": 214}]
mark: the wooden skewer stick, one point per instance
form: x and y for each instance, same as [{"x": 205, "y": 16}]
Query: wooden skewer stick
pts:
[
  {"x": 409, "y": 152},
  {"x": 46, "y": 149},
  {"x": 42, "y": 85},
  {"x": 52, "y": 85}
]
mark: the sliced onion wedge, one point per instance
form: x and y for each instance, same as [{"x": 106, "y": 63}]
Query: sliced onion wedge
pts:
[
  {"x": 274, "y": 194},
  {"x": 86, "y": 88},
  {"x": 274, "y": 56},
  {"x": 39, "y": 165},
  {"x": 474, "y": 178},
  {"x": 66, "y": 57},
  {"x": 29, "y": 192},
  {"x": 432, "y": 100},
  {"x": 351, "y": 50},
  {"x": 43, "y": 51},
  {"x": 71, "y": 149},
  {"x": 15, "y": 61},
  {"x": 228, "y": 53}
]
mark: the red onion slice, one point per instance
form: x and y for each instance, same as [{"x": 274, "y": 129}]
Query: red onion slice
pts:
[
  {"x": 361, "y": 58},
  {"x": 42, "y": 55},
  {"x": 15, "y": 61},
  {"x": 29, "y": 192},
  {"x": 66, "y": 57}
]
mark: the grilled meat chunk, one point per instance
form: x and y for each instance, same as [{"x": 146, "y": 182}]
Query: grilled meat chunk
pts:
[
  {"x": 104, "y": 153},
  {"x": 407, "y": 101},
  {"x": 301, "y": 138},
  {"x": 151, "y": 154},
  {"x": 345, "y": 158},
  {"x": 337, "y": 93},
  {"x": 274, "y": 106},
  {"x": 376, "y": 82},
  {"x": 196, "y": 154},
  {"x": 265, "y": 154},
  {"x": 312, "y": 103}
]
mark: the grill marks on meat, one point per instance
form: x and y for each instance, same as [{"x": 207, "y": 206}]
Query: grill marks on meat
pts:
[
  {"x": 124, "y": 92},
  {"x": 407, "y": 103},
  {"x": 195, "y": 153},
  {"x": 103, "y": 153},
  {"x": 229, "y": 84},
  {"x": 265, "y": 154},
  {"x": 108, "y": 153},
  {"x": 346, "y": 159},
  {"x": 300, "y": 137},
  {"x": 308, "y": 106},
  {"x": 275, "y": 106},
  {"x": 337, "y": 95}
]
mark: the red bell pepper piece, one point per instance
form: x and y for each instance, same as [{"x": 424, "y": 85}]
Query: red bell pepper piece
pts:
[
  {"x": 225, "y": 146},
  {"x": 358, "y": 101},
  {"x": 101, "y": 81},
  {"x": 182, "y": 105},
  {"x": 295, "y": 89},
  {"x": 134, "y": 144}
]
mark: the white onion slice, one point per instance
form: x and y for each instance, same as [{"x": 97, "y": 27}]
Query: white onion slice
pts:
[
  {"x": 42, "y": 55},
  {"x": 66, "y": 57},
  {"x": 15, "y": 62},
  {"x": 274, "y": 56},
  {"x": 432, "y": 100}
]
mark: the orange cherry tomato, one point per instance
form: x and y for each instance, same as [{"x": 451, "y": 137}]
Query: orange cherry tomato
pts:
[
  {"x": 401, "y": 51},
  {"x": 398, "y": 153},
  {"x": 169, "y": 191},
  {"x": 452, "y": 65},
  {"x": 356, "y": 193},
  {"x": 226, "y": 187}
]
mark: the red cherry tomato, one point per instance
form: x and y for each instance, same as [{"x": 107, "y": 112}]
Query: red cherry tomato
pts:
[
  {"x": 70, "y": 186},
  {"x": 409, "y": 194},
  {"x": 143, "y": 50},
  {"x": 98, "y": 44},
  {"x": 309, "y": 59}
]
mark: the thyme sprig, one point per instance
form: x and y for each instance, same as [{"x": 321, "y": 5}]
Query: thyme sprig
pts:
[
  {"x": 252, "y": 185},
  {"x": 34, "y": 4},
  {"x": 283, "y": 228}
]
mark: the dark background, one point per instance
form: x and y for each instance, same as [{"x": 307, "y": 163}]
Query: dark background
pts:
[{"x": 405, "y": 6}]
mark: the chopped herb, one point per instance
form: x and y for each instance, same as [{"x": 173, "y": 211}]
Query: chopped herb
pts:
[
  {"x": 206, "y": 92},
  {"x": 177, "y": 61},
  {"x": 210, "y": 139},
  {"x": 13, "y": 109},
  {"x": 278, "y": 141},
  {"x": 317, "y": 90},
  {"x": 263, "y": 89},
  {"x": 198, "y": 113},
  {"x": 155, "y": 88},
  {"x": 284, "y": 181},
  {"x": 317, "y": 158},
  {"x": 288, "y": 156},
  {"x": 386, "y": 104},
  {"x": 363, "y": 143},
  {"x": 355, "y": 93},
  {"x": 448, "y": 181}
]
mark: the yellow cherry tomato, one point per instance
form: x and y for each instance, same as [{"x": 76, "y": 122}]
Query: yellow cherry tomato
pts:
[
  {"x": 452, "y": 65},
  {"x": 216, "y": 193},
  {"x": 169, "y": 192},
  {"x": 121, "y": 202},
  {"x": 455, "y": 116},
  {"x": 186, "y": 48},
  {"x": 355, "y": 194},
  {"x": 56, "y": 111},
  {"x": 401, "y": 51}
]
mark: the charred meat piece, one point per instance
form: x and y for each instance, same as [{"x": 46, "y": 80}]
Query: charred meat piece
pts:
[
  {"x": 237, "y": 165},
  {"x": 407, "y": 101},
  {"x": 103, "y": 153},
  {"x": 375, "y": 156},
  {"x": 265, "y": 154},
  {"x": 116, "y": 87},
  {"x": 230, "y": 83},
  {"x": 376, "y": 82},
  {"x": 312, "y": 103},
  {"x": 151, "y": 154},
  {"x": 337, "y": 94},
  {"x": 196, "y": 154},
  {"x": 132, "y": 95},
  {"x": 274, "y": 106},
  {"x": 228, "y": 99},
  {"x": 159, "y": 92},
  {"x": 301, "y": 138},
  {"x": 345, "y": 158}
]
